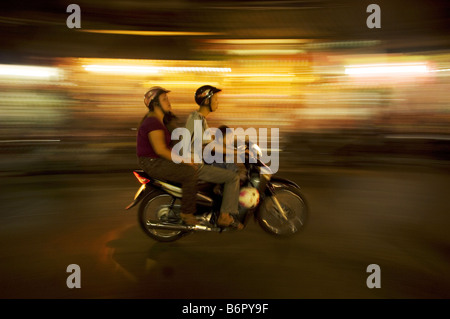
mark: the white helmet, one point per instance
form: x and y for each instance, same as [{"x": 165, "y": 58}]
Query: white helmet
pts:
[
  {"x": 248, "y": 197},
  {"x": 152, "y": 94}
]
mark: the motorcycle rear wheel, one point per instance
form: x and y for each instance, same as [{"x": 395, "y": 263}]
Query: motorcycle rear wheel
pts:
[
  {"x": 295, "y": 207},
  {"x": 155, "y": 208}
]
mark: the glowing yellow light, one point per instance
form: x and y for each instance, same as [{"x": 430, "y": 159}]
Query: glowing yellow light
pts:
[
  {"x": 122, "y": 69},
  {"x": 138, "y": 69},
  {"x": 181, "y": 83},
  {"x": 28, "y": 71},
  {"x": 387, "y": 69},
  {"x": 261, "y": 75},
  {"x": 258, "y": 41},
  {"x": 264, "y": 52},
  {"x": 149, "y": 33},
  {"x": 194, "y": 69}
]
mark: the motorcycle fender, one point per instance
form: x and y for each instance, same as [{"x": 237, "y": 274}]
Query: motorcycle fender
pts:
[
  {"x": 140, "y": 194},
  {"x": 280, "y": 182}
]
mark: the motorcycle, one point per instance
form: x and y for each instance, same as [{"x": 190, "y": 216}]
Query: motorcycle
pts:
[{"x": 280, "y": 210}]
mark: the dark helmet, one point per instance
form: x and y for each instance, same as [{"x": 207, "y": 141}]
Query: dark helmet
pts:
[
  {"x": 152, "y": 94},
  {"x": 205, "y": 92}
]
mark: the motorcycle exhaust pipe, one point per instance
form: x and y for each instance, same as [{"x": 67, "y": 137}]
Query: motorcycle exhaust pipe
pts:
[{"x": 182, "y": 227}]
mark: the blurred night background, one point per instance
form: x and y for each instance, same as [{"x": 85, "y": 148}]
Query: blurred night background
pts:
[
  {"x": 284, "y": 64},
  {"x": 364, "y": 124}
]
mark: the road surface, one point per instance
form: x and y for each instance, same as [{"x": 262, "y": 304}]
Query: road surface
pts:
[{"x": 396, "y": 219}]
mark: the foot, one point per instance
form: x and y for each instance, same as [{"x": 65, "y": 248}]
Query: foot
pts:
[
  {"x": 189, "y": 219},
  {"x": 227, "y": 220}
]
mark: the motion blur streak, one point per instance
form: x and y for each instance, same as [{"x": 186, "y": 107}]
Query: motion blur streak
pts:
[
  {"x": 320, "y": 101},
  {"x": 386, "y": 69},
  {"x": 150, "y": 33},
  {"x": 120, "y": 69},
  {"x": 130, "y": 69},
  {"x": 25, "y": 71},
  {"x": 363, "y": 116}
]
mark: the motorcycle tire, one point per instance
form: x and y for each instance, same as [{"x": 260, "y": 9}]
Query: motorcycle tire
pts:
[
  {"x": 295, "y": 206},
  {"x": 154, "y": 207}
]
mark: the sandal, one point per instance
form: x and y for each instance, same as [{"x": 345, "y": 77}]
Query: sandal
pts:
[
  {"x": 231, "y": 222},
  {"x": 189, "y": 219}
]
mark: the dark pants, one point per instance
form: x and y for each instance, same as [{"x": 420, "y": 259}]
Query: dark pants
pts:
[{"x": 185, "y": 174}]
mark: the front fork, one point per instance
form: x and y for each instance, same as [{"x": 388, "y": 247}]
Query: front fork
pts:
[{"x": 276, "y": 202}]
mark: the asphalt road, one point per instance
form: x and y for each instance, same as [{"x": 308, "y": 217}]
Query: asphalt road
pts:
[{"x": 397, "y": 219}]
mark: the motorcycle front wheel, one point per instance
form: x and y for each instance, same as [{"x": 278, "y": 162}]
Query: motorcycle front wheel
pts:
[
  {"x": 157, "y": 208},
  {"x": 291, "y": 220}
]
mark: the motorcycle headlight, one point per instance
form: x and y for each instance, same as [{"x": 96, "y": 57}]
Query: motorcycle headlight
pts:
[
  {"x": 257, "y": 150},
  {"x": 255, "y": 180}
]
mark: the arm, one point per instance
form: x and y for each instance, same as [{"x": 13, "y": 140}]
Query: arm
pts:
[
  {"x": 157, "y": 140},
  {"x": 225, "y": 148}
]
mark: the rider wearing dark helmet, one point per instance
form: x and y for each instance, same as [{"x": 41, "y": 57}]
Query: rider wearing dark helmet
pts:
[
  {"x": 206, "y": 98},
  {"x": 204, "y": 94}
]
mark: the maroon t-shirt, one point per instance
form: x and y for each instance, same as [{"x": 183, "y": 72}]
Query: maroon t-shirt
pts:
[{"x": 144, "y": 147}]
